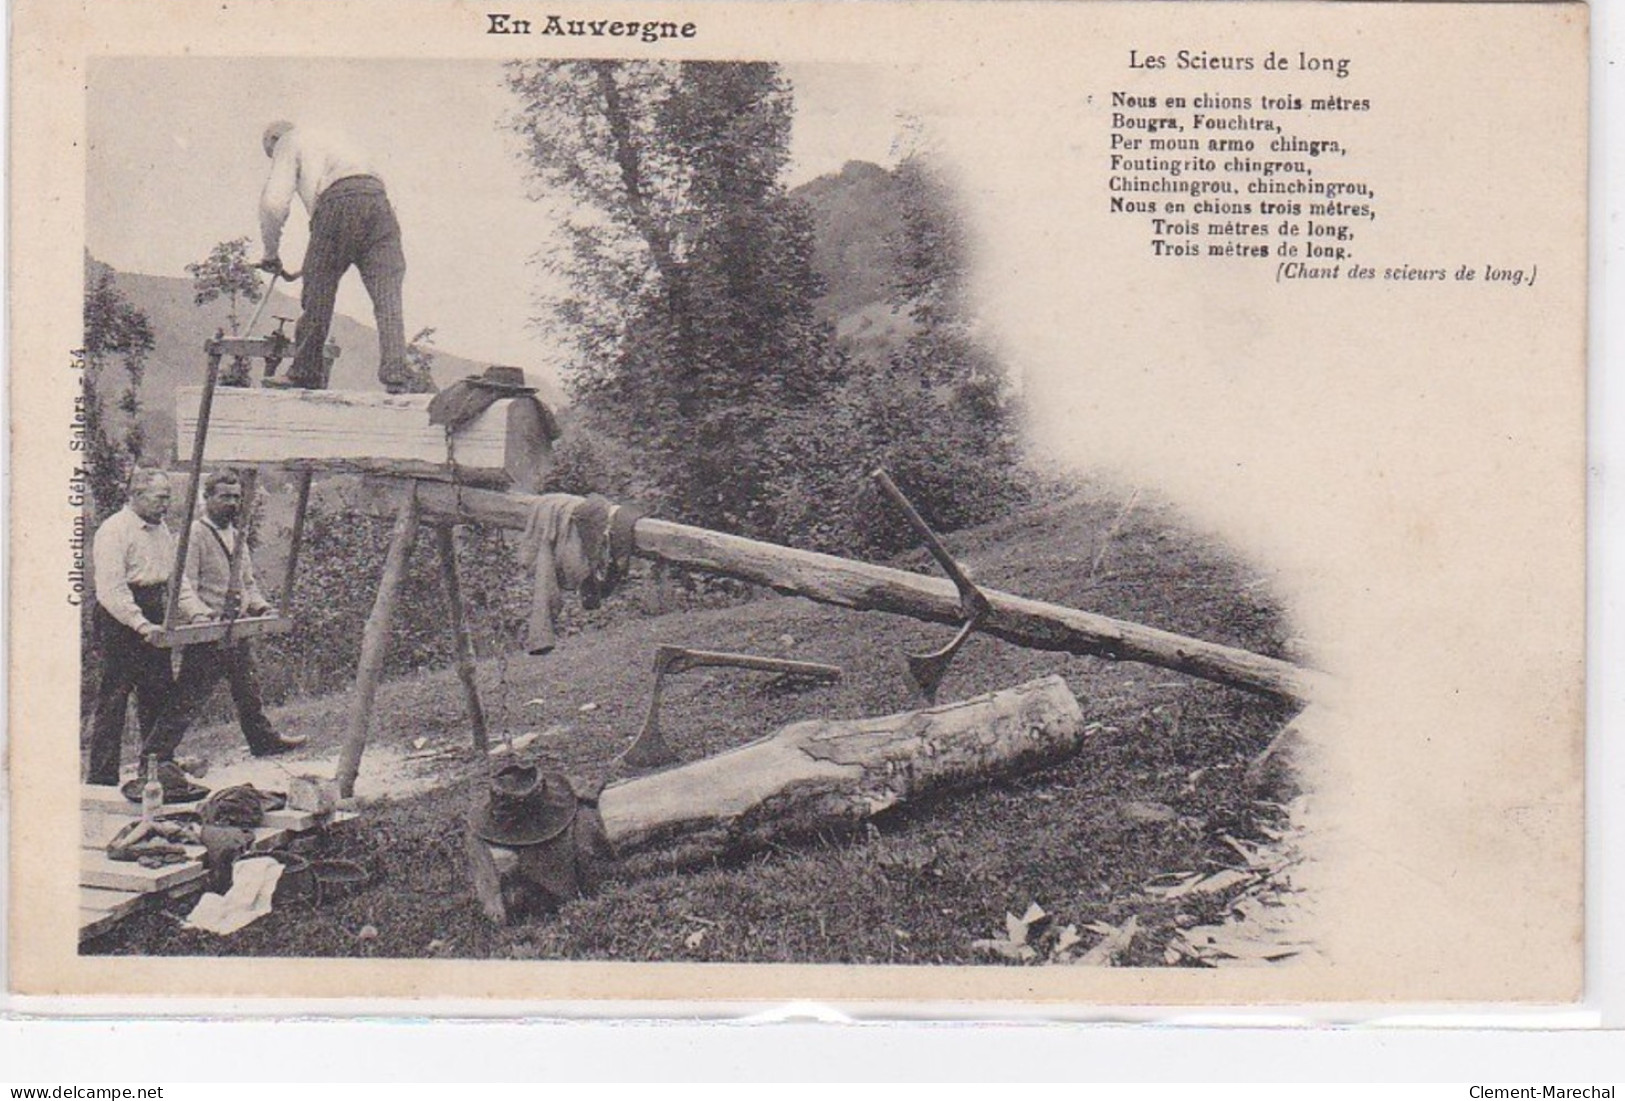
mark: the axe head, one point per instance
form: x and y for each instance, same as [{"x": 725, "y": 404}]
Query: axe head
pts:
[
  {"x": 927, "y": 670},
  {"x": 650, "y": 749}
]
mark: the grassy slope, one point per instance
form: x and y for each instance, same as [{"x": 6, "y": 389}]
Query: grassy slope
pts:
[{"x": 1081, "y": 839}]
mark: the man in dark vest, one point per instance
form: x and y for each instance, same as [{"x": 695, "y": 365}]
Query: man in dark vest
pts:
[{"x": 351, "y": 224}]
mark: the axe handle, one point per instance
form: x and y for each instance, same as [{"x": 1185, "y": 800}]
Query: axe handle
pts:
[
  {"x": 969, "y": 595},
  {"x": 265, "y": 300},
  {"x": 678, "y": 659}
]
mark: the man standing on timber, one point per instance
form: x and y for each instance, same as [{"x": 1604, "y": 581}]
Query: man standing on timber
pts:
[
  {"x": 208, "y": 593},
  {"x": 351, "y": 223},
  {"x": 133, "y": 552}
]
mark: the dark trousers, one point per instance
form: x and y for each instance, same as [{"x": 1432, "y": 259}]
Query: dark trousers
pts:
[
  {"x": 128, "y": 664},
  {"x": 202, "y": 667},
  {"x": 354, "y": 225}
]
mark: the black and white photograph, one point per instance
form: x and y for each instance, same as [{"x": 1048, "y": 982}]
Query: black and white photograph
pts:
[{"x": 599, "y": 495}]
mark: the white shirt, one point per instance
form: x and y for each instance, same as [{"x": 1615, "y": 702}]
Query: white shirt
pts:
[
  {"x": 307, "y": 161},
  {"x": 129, "y": 551}
]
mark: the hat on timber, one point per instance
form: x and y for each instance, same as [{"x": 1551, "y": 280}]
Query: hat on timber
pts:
[
  {"x": 508, "y": 379},
  {"x": 525, "y": 806},
  {"x": 273, "y": 132}
]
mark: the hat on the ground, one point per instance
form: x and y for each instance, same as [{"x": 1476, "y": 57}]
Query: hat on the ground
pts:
[
  {"x": 273, "y": 132},
  {"x": 525, "y": 806}
]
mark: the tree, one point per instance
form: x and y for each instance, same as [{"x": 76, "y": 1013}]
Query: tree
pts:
[
  {"x": 935, "y": 409},
  {"x": 118, "y": 339},
  {"x": 959, "y": 393},
  {"x": 689, "y": 268},
  {"x": 420, "y": 355},
  {"x": 226, "y": 273}
]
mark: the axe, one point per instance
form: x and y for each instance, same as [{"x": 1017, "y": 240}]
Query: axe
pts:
[
  {"x": 650, "y": 749},
  {"x": 927, "y": 670},
  {"x": 265, "y": 300}
]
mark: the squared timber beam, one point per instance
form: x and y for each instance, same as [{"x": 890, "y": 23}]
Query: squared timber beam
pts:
[{"x": 360, "y": 431}]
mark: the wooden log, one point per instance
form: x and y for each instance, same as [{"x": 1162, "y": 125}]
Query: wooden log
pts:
[
  {"x": 482, "y": 867},
  {"x": 846, "y": 583},
  {"x": 359, "y": 431},
  {"x": 826, "y": 774},
  {"x": 375, "y": 641},
  {"x": 446, "y": 542}
]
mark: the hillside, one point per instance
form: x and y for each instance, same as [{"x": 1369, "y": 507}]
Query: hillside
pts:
[
  {"x": 1158, "y": 789},
  {"x": 857, "y": 218},
  {"x": 855, "y": 214}
]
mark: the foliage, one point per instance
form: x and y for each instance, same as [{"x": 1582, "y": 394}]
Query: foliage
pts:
[
  {"x": 340, "y": 563},
  {"x": 589, "y": 459},
  {"x": 420, "y": 356},
  {"x": 226, "y": 273},
  {"x": 118, "y": 339},
  {"x": 936, "y": 411},
  {"x": 691, "y": 304},
  {"x": 691, "y": 289}
]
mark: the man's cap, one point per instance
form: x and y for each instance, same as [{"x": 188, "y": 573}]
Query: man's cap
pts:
[{"x": 273, "y": 132}]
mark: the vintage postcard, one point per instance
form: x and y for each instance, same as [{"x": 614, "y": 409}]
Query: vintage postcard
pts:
[{"x": 1076, "y": 504}]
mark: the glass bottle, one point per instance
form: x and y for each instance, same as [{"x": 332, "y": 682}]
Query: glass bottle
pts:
[{"x": 152, "y": 792}]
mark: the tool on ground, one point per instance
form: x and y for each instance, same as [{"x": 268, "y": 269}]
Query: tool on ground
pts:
[
  {"x": 650, "y": 750},
  {"x": 928, "y": 670}
]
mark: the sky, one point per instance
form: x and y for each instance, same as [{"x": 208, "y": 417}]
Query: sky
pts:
[{"x": 175, "y": 166}]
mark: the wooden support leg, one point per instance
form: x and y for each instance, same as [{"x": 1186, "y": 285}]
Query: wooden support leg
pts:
[
  {"x": 375, "y": 641},
  {"x": 464, "y": 656}
]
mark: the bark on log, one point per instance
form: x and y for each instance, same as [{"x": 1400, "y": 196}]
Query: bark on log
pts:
[
  {"x": 828, "y": 579},
  {"x": 826, "y": 774}
]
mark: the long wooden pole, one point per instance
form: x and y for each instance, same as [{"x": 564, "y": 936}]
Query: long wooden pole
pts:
[
  {"x": 865, "y": 587},
  {"x": 300, "y": 506},
  {"x": 200, "y": 438},
  {"x": 375, "y": 640},
  {"x": 446, "y": 542}
]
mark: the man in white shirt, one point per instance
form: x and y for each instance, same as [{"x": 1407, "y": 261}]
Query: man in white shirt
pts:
[
  {"x": 351, "y": 223},
  {"x": 208, "y": 593},
  {"x": 133, "y": 552}
]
